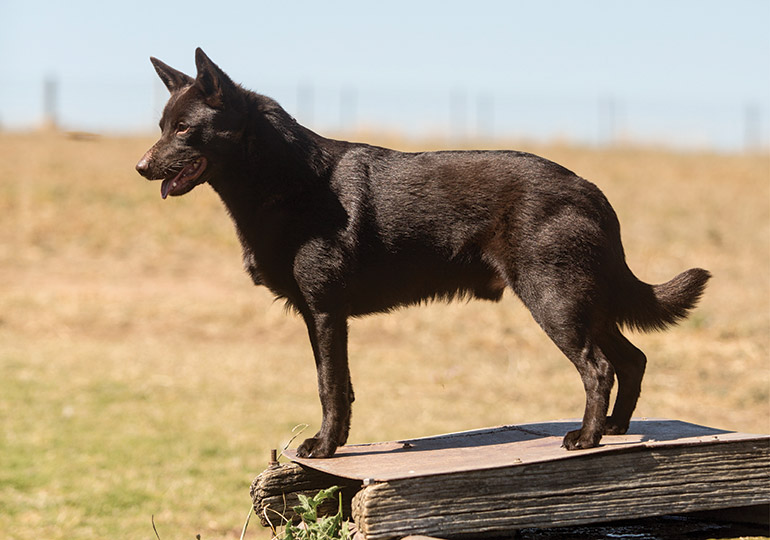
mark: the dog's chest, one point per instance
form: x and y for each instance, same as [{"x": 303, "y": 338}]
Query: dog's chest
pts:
[
  {"x": 271, "y": 272},
  {"x": 250, "y": 265}
]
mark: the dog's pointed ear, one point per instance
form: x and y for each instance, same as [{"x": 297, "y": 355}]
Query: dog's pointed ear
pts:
[
  {"x": 211, "y": 80},
  {"x": 173, "y": 79}
]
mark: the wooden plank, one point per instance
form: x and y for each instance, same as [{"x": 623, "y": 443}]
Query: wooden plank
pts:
[
  {"x": 487, "y": 483},
  {"x": 503, "y": 446},
  {"x": 591, "y": 489}
]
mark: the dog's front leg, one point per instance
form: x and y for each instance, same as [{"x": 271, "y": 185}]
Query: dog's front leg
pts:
[{"x": 329, "y": 338}]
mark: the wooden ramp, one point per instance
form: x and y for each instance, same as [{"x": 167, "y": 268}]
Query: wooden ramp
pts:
[{"x": 491, "y": 482}]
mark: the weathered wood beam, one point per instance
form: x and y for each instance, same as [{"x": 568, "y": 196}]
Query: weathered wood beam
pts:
[
  {"x": 275, "y": 492},
  {"x": 593, "y": 489}
]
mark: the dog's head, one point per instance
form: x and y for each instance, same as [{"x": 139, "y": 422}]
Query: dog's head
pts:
[{"x": 202, "y": 119}]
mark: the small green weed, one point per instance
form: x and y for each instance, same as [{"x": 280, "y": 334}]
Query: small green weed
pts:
[{"x": 313, "y": 528}]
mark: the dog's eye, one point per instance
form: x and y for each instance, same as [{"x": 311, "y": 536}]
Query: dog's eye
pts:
[{"x": 181, "y": 127}]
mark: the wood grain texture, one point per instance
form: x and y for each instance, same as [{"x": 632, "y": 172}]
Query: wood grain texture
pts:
[
  {"x": 490, "y": 482},
  {"x": 503, "y": 446},
  {"x": 594, "y": 489},
  {"x": 276, "y": 491}
]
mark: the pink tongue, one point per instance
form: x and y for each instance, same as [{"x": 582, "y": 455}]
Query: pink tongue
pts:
[
  {"x": 182, "y": 182},
  {"x": 166, "y": 186}
]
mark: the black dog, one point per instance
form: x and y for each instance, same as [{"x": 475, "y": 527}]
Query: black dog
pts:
[{"x": 340, "y": 229}]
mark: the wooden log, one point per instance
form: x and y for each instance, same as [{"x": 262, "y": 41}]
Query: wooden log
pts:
[
  {"x": 276, "y": 491},
  {"x": 491, "y": 482},
  {"x": 591, "y": 489}
]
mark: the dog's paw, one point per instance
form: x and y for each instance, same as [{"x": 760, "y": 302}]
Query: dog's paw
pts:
[
  {"x": 615, "y": 428},
  {"x": 575, "y": 440},
  {"x": 316, "y": 447}
]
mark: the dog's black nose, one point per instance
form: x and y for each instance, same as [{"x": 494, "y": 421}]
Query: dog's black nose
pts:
[{"x": 143, "y": 166}]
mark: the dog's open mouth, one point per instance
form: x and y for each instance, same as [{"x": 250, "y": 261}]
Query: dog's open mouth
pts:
[{"x": 184, "y": 180}]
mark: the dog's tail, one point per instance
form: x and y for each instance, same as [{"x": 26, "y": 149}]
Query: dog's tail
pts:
[{"x": 655, "y": 307}]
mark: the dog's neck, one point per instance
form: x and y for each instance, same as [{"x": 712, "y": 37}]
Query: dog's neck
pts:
[
  {"x": 280, "y": 158},
  {"x": 290, "y": 144},
  {"x": 277, "y": 189}
]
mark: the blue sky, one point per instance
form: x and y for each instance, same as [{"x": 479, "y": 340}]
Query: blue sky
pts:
[{"x": 576, "y": 69}]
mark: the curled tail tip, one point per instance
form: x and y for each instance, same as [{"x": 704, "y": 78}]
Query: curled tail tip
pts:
[
  {"x": 679, "y": 296},
  {"x": 695, "y": 284},
  {"x": 656, "y": 307},
  {"x": 700, "y": 274}
]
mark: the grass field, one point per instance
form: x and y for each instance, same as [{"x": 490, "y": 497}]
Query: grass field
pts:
[{"x": 141, "y": 374}]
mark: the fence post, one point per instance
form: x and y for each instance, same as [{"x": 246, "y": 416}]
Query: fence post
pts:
[
  {"x": 752, "y": 136},
  {"x": 50, "y": 103}
]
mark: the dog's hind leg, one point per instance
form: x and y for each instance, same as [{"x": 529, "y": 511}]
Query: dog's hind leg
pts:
[
  {"x": 565, "y": 325},
  {"x": 563, "y": 309},
  {"x": 629, "y": 363},
  {"x": 597, "y": 375}
]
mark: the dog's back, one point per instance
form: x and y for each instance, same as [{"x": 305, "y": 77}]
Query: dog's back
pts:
[{"x": 442, "y": 224}]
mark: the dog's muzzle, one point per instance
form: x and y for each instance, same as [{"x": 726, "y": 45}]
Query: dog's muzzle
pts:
[{"x": 143, "y": 167}]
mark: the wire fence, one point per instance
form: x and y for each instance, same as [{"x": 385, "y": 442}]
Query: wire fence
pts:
[{"x": 458, "y": 114}]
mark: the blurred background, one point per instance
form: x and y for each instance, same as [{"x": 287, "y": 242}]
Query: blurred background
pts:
[
  {"x": 692, "y": 74},
  {"x": 141, "y": 373}
]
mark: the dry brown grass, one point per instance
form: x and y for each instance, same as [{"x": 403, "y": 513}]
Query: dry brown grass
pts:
[{"x": 141, "y": 373}]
